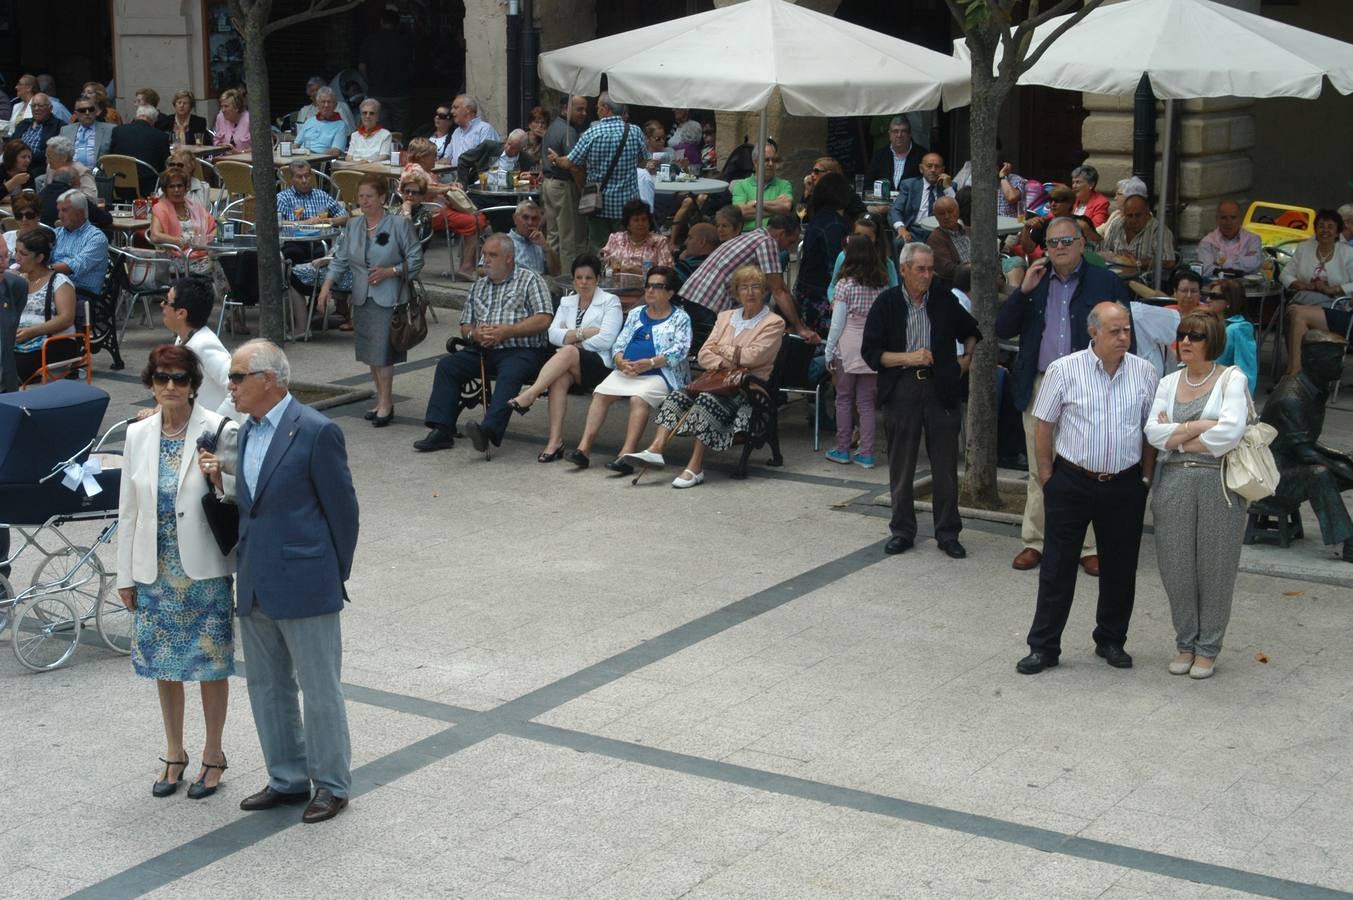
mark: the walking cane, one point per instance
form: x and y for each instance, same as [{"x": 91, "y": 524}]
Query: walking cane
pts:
[
  {"x": 484, "y": 394},
  {"x": 681, "y": 421}
]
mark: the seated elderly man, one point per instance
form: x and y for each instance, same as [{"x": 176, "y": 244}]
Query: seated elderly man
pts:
[
  {"x": 1134, "y": 235},
  {"x": 371, "y": 141},
  {"x": 140, "y": 138},
  {"x": 506, "y": 315},
  {"x": 509, "y": 156},
  {"x": 35, "y": 131},
  {"x": 1309, "y": 470},
  {"x": 324, "y": 132},
  {"x": 950, "y": 242},
  {"x": 700, "y": 243},
  {"x": 529, "y": 246},
  {"x": 1131, "y": 186},
  {"x": 1228, "y": 246},
  {"x": 89, "y": 137},
  {"x": 305, "y": 204},
  {"x": 471, "y": 131},
  {"x": 81, "y": 251},
  {"x": 308, "y": 111},
  {"x": 60, "y": 158},
  {"x": 1346, "y": 213},
  {"x": 916, "y": 198}
]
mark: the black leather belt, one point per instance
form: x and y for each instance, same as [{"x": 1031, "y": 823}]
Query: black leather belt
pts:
[
  {"x": 920, "y": 373},
  {"x": 553, "y": 177},
  {"x": 1100, "y": 476}
]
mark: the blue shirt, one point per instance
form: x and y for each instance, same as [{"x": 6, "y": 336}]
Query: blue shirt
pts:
[
  {"x": 320, "y": 137},
  {"x": 85, "y": 250},
  {"x": 595, "y": 150},
  {"x": 1057, "y": 316},
  {"x": 260, "y": 436},
  {"x": 84, "y": 146},
  {"x": 314, "y": 202},
  {"x": 59, "y": 111},
  {"x": 476, "y": 132},
  {"x": 642, "y": 345}
]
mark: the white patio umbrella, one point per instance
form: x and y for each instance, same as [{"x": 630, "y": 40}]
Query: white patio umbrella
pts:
[
  {"x": 1187, "y": 49},
  {"x": 737, "y": 58}
]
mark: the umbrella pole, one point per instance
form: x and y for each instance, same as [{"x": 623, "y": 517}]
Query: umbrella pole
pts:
[
  {"x": 1166, "y": 159},
  {"x": 760, "y": 169}
]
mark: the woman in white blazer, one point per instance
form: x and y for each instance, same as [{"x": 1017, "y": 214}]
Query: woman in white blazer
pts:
[
  {"x": 170, "y": 571},
  {"x": 583, "y": 329},
  {"x": 1199, "y": 414}
]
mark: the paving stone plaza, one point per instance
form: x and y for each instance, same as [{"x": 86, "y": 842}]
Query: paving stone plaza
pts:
[{"x": 560, "y": 685}]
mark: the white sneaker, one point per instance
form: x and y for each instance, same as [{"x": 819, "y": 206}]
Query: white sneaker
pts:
[
  {"x": 647, "y": 458},
  {"x": 681, "y": 481}
]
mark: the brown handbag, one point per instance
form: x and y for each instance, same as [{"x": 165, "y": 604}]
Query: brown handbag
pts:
[{"x": 719, "y": 382}]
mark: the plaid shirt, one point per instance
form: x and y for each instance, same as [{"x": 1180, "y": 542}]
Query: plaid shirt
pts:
[
  {"x": 708, "y": 285},
  {"x": 521, "y": 296},
  {"x": 314, "y": 203},
  {"x": 595, "y": 149}
]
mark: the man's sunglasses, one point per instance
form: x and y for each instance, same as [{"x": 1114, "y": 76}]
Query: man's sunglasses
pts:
[
  {"x": 82, "y": 109},
  {"x": 238, "y": 377},
  {"x": 179, "y": 378},
  {"x": 1194, "y": 337},
  {"x": 1062, "y": 241}
]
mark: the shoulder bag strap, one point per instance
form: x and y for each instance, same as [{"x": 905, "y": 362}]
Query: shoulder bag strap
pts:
[
  {"x": 624, "y": 134},
  {"x": 47, "y": 298}
]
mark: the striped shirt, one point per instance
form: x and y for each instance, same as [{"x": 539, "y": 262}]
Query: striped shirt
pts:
[
  {"x": 472, "y": 135},
  {"x": 1057, "y": 316},
  {"x": 918, "y": 322},
  {"x": 708, "y": 285},
  {"x": 596, "y": 148},
  {"x": 314, "y": 202},
  {"x": 1099, "y": 418},
  {"x": 522, "y": 295}
]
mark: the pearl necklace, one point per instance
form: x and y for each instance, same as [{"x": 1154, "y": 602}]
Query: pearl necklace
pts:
[
  {"x": 172, "y": 435},
  {"x": 1205, "y": 377}
]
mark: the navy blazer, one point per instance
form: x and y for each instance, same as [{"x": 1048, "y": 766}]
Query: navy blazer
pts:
[
  {"x": 907, "y": 204},
  {"x": 885, "y": 330},
  {"x": 1022, "y": 316},
  {"x": 298, "y": 527},
  {"x": 881, "y": 166}
]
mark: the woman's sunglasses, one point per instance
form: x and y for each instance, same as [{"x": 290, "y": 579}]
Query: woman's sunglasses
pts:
[
  {"x": 179, "y": 378},
  {"x": 1193, "y": 337}
]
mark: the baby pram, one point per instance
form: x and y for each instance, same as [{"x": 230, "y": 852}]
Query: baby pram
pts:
[{"x": 54, "y": 472}]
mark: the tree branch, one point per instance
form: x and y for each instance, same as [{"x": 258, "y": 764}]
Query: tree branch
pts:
[
  {"x": 318, "y": 10},
  {"x": 1032, "y": 58}
]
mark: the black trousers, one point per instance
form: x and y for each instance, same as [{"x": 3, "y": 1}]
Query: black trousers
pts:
[
  {"x": 1072, "y": 502},
  {"x": 910, "y": 408},
  {"x": 511, "y": 368}
]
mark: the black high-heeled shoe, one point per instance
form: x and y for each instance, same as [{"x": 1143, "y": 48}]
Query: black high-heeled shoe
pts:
[
  {"x": 199, "y": 788},
  {"x": 164, "y": 787},
  {"x": 518, "y": 408},
  {"x": 547, "y": 456},
  {"x": 382, "y": 421}
]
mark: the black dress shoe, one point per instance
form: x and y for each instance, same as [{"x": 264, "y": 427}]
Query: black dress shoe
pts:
[
  {"x": 324, "y": 806},
  {"x": 620, "y": 467},
  {"x": 1114, "y": 655},
  {"x": 478, "y": 436},
  {"x": 953, "y": 549},
  {"x": 268, "y": 798},
  {"x": 437, "y": 439},
  {"x": 166, "y": 785},
  {"x": 897, "y": 544},
  {"x": 369, "y": 415},
  {"x": 578, "y": 458},
  {"x": 1035, "y": 662},
  {"x": 382, "y": 421}
]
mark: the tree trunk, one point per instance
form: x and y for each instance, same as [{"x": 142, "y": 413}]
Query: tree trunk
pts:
[
  {"x": 251, "y": 24},
  {"x": 978, "y": 484}
]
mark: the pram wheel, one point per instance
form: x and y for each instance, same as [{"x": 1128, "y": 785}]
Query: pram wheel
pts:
[
  {"x": 6, "y": 603},
  {"x": 46, "y": 631},
  {"x": 90, "y": 588},
  {"x": 115, "y": 623}
]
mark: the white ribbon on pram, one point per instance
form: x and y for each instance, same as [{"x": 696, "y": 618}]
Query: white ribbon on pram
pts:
[{"x": 82, "y": 475}]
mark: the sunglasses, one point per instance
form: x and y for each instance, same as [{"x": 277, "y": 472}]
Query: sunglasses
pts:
[
  {"x": 657, "y": 286},
  {"x": 179, "y": 378},
  {"x": 238, "y": 377},
  {"x": 1194, "y": 337},
  {"x": 441, "y": 115},
  {"x": 26, "y": 215},
  {"x": 83, "y": 109},
  {"x": 1062, "y": 241}
]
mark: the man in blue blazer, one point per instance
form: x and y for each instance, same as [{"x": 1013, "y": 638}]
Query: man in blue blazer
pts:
[
  {"x": 1050, "y": 316},
  {"x": 916, "y": 198},
  {"x": 298, "y": 531}
]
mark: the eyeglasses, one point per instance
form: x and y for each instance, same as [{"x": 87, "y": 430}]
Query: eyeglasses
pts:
[
  {"x": 1193, "y": 337},
  {"x": 657, "y": 286},
  {"x": 238, "y": 377},
  {"x": 83, "y": 109},
  {"x": 164, "y": 301},
  {"x": 26, "y": 215},
  {"x": 752, "y": 286},
  {"x": 369, "y": 112},
  {"x": 178, "y": 378},
  {"x": 819, "y": 171},
  {"x": 1062, "y": 241},
  {"x": 441, "y": 115}
]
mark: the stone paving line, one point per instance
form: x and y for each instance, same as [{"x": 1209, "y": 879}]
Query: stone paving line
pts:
[{"x": 470, "y": 727}]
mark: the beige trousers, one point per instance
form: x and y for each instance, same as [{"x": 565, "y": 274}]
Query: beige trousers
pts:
[
  {"x": 1031, "y": 529},
  {"x": 566, "y": 230}
]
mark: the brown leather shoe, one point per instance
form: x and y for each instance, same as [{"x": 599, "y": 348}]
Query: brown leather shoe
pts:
[
  {"x": 324, "y": 806},
  {"x": 268, "y": 798},
  {"x": 1028, "y": 558},
  {"x": 1091, "y": 564}
]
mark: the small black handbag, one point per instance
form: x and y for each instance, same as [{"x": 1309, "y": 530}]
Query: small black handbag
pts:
[{"x": 223, "y": 518}]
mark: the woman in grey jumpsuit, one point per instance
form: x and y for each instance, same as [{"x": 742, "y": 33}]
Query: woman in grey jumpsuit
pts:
[{"x": 1199, "y": 414}]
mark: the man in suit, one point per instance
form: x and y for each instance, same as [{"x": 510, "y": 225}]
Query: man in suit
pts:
[
  {"x": 916, "y": 198},
  {"x": 1049, "y": 315},
  {"x": 910, "y": 338},
  {"x": 91, "y": 138},
  {"x": 298, "y": 532},
  {"x": 140, "y": 139},
  {"x": 901, "y": 159},
  {"x": 37, "y": 130},
  {"x": 507, "y": 155}
]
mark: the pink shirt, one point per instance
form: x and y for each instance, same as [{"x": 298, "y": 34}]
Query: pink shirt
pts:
[
  {"x": 236, "y": 135},
  {"x": 620, "y": 252}
]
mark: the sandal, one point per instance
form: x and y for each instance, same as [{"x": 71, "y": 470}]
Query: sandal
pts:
[
  {"x": 199, "y": 788},
  {"x": 518, "y": 408},
  {"x": 549, "y": 456}
]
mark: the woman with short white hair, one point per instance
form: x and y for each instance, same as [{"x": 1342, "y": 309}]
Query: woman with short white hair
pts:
[
  {"x": 370, "y": 142},
  {"x": 61, "y": 158}
]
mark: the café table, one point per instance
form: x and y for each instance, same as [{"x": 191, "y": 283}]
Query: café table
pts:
[
  {"x": 278, "y": 159},
  {"x": 384, "y": 167},
  {"x": 202, "y": 149},
  {"x": 126, "y": 227},
  {"x": 1005, "y": 225},
  {"x": 697, "y": 186},
  {"x": 484, "y": 197}
]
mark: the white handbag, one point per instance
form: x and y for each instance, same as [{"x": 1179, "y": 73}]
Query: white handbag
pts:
[{"x": 1249, "y": 468}]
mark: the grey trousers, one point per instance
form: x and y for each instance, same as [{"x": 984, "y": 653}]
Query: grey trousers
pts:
[
  {"x": 1198, "y": 551},
  {"x": 278, "y": 654}
]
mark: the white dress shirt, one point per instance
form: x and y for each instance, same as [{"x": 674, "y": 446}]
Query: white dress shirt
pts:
[{"x": 1099, "y": 418}]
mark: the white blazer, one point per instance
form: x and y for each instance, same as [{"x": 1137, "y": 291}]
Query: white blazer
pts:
[
  {"x": 1228, "y": 404},
  {"x": 603, "y": 312},
  {"x": 137, "y": 516},
  {"x": 215, "y": 361}
]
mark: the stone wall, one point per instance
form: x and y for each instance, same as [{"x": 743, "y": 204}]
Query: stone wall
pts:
[{"x": 156, "y": 42}]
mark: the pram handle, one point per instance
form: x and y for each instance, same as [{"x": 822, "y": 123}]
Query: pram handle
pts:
[{"x": 93, "y": 446}]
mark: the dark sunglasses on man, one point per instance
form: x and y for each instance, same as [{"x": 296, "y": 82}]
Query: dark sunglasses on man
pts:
[{"x": 85, "y": 109}]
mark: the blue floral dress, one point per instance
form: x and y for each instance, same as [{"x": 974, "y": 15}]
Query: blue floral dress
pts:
[{"x": 183, "y": 630}]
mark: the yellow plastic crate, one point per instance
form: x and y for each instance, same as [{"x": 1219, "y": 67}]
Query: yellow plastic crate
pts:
[{"x": 1277, "y": 223}]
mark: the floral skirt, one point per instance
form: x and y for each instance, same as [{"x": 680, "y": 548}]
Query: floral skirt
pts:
[{"x": 712, "y": 420}]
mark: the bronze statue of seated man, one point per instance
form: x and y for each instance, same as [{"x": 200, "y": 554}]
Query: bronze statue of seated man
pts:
[{"x": 1309, "y": 470}]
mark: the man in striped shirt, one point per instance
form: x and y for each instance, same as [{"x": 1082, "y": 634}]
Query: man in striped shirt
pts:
[{"x": 1095, "y": 467}]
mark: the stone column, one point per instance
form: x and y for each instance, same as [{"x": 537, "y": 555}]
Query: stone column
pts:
[
  {"x": 486, "y": 60},
  {"x": 160, "y": 50}
]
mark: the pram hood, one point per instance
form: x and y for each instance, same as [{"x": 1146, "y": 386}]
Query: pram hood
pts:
[{"x": 46, "y": 425}]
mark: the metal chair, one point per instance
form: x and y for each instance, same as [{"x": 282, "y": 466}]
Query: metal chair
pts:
[
  {"x": 500, "y": 218},
  {"x": 143, "y": 269},
  {"x": 236, "y": 177},
  {"x": 126, "y": 173},
  {"x": 345, "y": 182},
  {"x": 63, "y": 368}
]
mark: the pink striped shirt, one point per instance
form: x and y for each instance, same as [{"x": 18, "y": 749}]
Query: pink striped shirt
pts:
[{"x": 1099, "y": 418}]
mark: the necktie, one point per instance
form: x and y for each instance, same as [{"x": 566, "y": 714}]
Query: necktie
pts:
[{"x": 930, "y": 199}]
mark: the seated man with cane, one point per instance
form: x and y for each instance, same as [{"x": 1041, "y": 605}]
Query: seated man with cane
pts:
[{"x": 507, "y": 313}]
